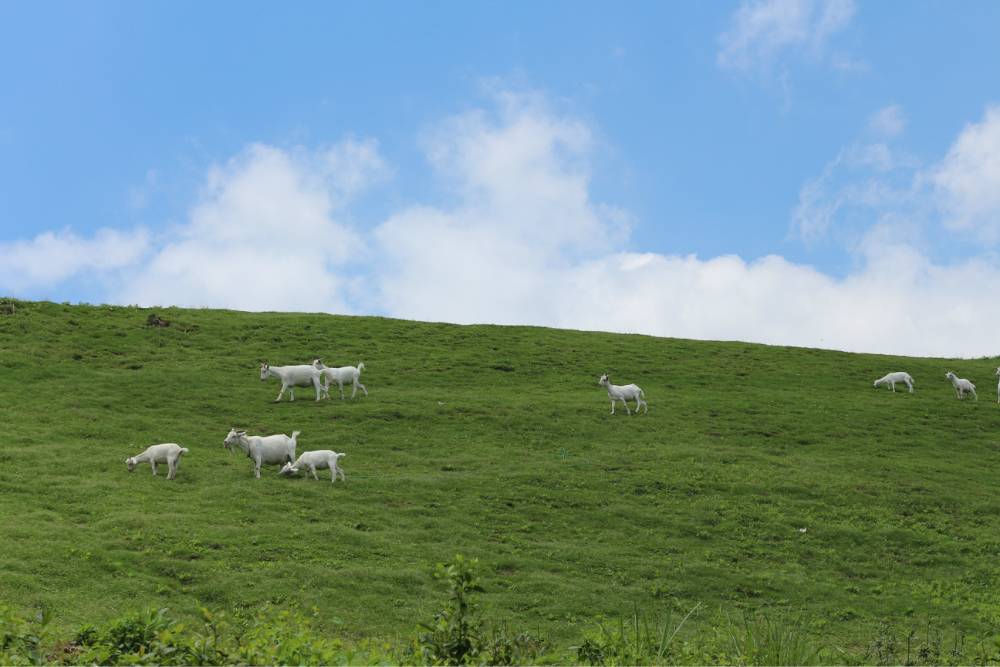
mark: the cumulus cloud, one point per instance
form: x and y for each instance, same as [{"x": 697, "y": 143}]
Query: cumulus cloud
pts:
[
  {"x": 967, "y": 181},
  {"x": 52, "y": 257},
  {"x": 495, "y": 257},
  {"x": 761, "y": 31},
  {"x": 898, "y": 303},
  {"x": 523, "y": 209},
  {"x": 264, "y": 235},
  {"x": 521, "y": 239}
]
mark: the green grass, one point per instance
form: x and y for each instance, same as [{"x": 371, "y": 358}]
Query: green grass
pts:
[{"x": 493, "y": 442}]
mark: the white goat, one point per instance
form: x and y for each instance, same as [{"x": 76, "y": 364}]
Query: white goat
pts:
[
  {"x": 962, "y": 386},
  {"x": 998, "y": 385},
  {"x": 320, "y": 459},
  {"x": 268, "y": 449},
  {"x": 892, "y": 378},
  {"x": 623, "y": 393},
  {"x": 340, "y": 376},
  {"x": 292, "y": 377},
  {"x": 169, "y": 453}
]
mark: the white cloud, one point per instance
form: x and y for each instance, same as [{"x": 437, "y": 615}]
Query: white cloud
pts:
[
  {"x": 523, "y": 211},
  {"x": 53, "y": 257},
  {"x": 888, "y": 122},
  {"x": 522, "y": 240},
  {"x": 493, "y": 257},
  {"x": 899, "y": 303},
  {"x": 762, "y": 30},
  {"x": 869, "y": 183},
  {"x": 351, "y": 167},
  {"x": 863, "y": 184},
  {"x": 967, "y": 181},
  {"x": 265, "y": 235}
]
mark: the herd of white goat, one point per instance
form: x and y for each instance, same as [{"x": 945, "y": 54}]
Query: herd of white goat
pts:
[
  {"x": 279, "y": 449},
  {"x": 961, "y": 385},
  {"x": 276, "y": 449}
]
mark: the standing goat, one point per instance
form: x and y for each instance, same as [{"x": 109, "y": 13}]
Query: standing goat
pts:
[
  {"x": 292, "y": 377},
  {"x": 169, "y": 453},
  {"x": 269, "y": 449},
  {"x": 892, "y": 378},
  {"x": 962, "y": 386},
  {"x": 341, "y": 375},
  {"x": 320, "y": 459},
  {"x": 623, "y": 393}
]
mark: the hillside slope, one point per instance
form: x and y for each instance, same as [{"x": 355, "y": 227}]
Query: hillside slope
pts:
[{"x": 762, "y": 477}]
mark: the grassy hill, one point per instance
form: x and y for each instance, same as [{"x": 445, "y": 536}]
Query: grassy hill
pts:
[{"x": 765, "y": 479}]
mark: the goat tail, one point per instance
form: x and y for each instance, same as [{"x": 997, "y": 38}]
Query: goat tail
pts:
[
  {"x": 361, "y": 366},
  {"x": 295, "y": 434},
  {"x": 184, "y": 450}
]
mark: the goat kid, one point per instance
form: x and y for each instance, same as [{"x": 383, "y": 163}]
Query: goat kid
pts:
[
  {"x": 623, "y": 393},
  {"x": 292, "y": 377},
  {"x": 962, "y": 386},
  {"x": 263, "y": 450},
  {"x": 319, "y": 459},
  {"x": 169, "y": 453},
  {"x": 341, "y": 375},
  {"x": 892, "y": 378}
]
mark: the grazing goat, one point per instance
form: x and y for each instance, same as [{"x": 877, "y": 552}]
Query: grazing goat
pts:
[
  {"x": 623, "y": 393},
  {"x": 962, "y": 386},
  {"x": 169, "y": 453},
  {"x": 269, "y": 449},
  {"x": 292, "y": 377},
  {"x": 320, "y": 459},
  {"x": 340, "y": 376},
  {"x": 892, "y": 378}
]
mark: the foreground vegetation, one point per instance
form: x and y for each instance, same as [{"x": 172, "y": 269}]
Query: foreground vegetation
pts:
[
  {"x": 458, "y": 635},
  {"x": 771, "y": 490}
]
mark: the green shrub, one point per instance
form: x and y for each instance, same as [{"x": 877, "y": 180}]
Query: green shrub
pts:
[
  {"x": 132, "y": 639},
  {"x": 459, "y": 636},
  {"x": 20, "y": 638},
  {"x": 273, "y": 637},
  {"x": 453, "y": 637}
]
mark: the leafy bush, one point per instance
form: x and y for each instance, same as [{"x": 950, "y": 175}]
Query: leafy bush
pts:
[
  {"x": 458, "y": 635},
  {"x": 274, "y": 637},
  {"x": 20, "y": 638},
  {"x": 132, "y": 639}
]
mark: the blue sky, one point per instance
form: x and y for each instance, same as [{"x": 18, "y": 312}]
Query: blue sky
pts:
[{"x": 784, "y": 171}]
